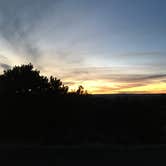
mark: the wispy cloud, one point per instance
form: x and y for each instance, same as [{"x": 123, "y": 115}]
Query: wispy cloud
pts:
[
  {"x": 18, "y": 23},
  {"x": 110, "y": 80},
  {"x": 5, "y": 66},
  {"x": 146, "y": 53},
  {"x": 110, "y": 74},
  {"x": 64, "y": 39}
]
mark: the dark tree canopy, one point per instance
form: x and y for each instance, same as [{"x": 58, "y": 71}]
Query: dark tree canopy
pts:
[{"x": 25, "y": 79}]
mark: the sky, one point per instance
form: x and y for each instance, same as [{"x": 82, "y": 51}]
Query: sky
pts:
[{"x": 108, "y": 46}]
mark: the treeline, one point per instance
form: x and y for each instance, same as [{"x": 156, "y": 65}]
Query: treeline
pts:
[
  {"x": 51, "y": 115},
  {"x": 25, "y": 80}
]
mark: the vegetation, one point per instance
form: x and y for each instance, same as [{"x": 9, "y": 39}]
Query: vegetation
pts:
[
  {"x": 23, "y": 80},
  {"x": 41, "y": 110}
]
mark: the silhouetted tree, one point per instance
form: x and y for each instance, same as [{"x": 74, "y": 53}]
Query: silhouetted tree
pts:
[
  {"x": 81, "y": 91},
  {"x": 56, "y": 85},
  {"x": 25, "y": 80}
]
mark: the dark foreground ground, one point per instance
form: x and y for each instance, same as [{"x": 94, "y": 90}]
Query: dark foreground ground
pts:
[
  {"x": 75, "y": 120},
  {"x": 60, "y": 130},
  {"x": 34, "y": 155}
]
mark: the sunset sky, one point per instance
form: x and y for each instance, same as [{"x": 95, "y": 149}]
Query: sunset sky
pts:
[{"x": 108, "y": 46}]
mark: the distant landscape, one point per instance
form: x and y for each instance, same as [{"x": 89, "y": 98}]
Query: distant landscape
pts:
[{"x": 35, "y": 109}]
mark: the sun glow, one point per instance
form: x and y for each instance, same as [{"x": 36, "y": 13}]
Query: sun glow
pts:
[
  {"x": 106, "y": 87},
  {"x": 151, "y": 88},
  {"x": 92, "y": 86}
]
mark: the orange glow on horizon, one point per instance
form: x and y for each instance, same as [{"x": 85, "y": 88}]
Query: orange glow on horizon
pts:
[
  {"x": 104, "y": 87},
  {"x": 99, "y": 86}
]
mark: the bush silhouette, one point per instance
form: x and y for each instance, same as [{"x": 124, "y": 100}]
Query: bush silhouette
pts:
[
  {"x": 56, "y": 86},
  {"x": 25, "y": 80},
  {"x": 80, "y": 91}
]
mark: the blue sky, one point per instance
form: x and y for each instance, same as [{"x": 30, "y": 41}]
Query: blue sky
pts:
[{"x": 85, "y": 41}]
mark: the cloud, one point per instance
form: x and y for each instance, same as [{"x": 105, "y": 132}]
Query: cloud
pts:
[
  {"x": 146, "y": 53},
  {"x": 44, "y": 32},
  {"x": 4, "y": 62},
  {"x": 69, "y": 82},
  {"x": 18, "y": 20},
  {"x": 110, "y": 74},
  {"x": 5, "y": 66},
  {"x": 3, "y": 58},
  {"x": 117, "y": 88},
  {"x": 139, "y": 77}
]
